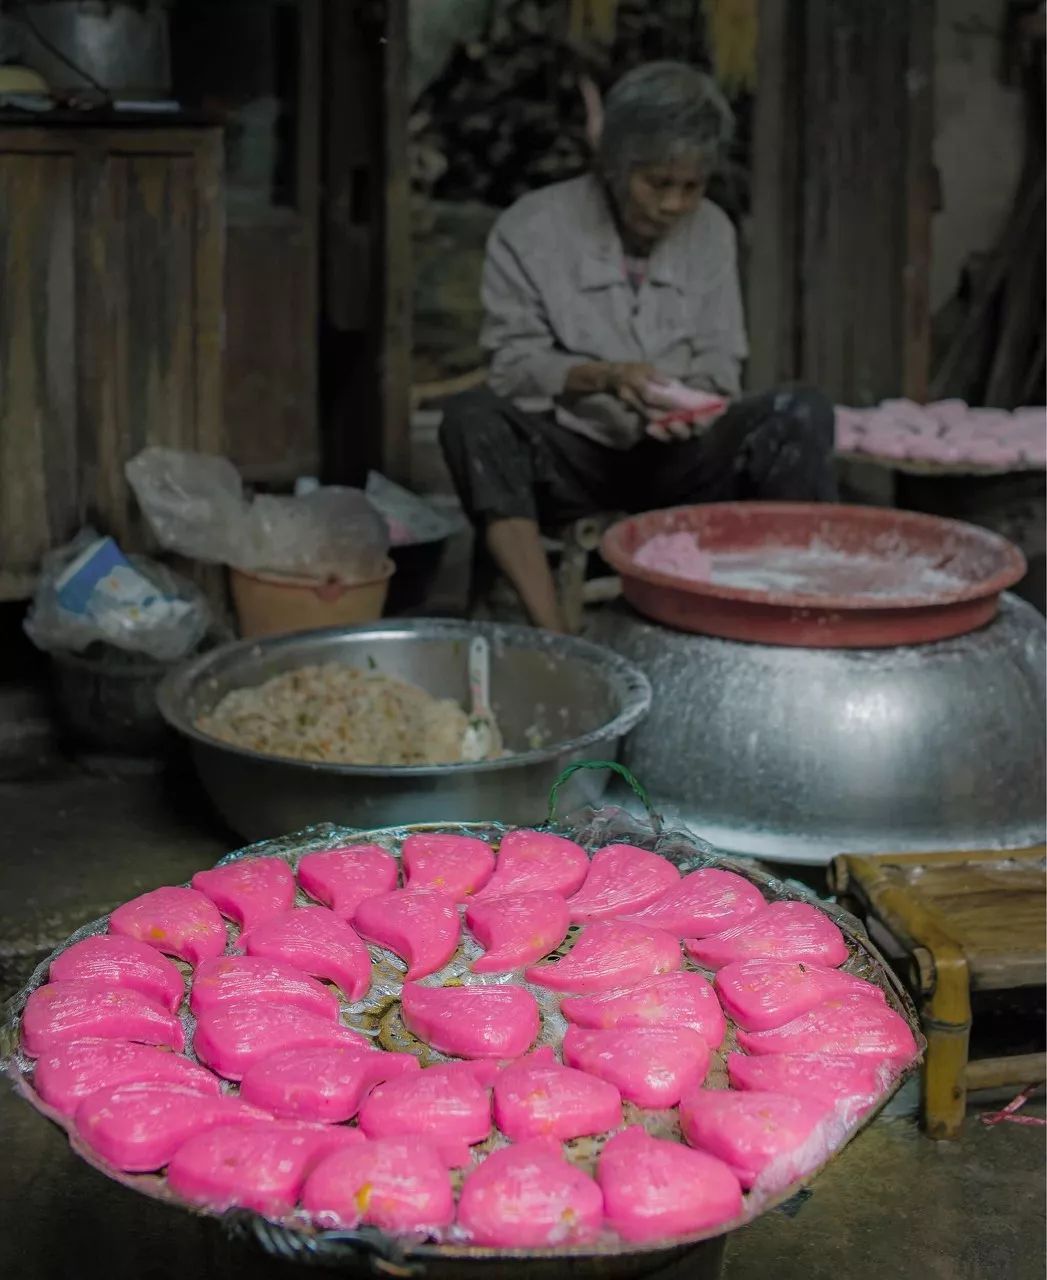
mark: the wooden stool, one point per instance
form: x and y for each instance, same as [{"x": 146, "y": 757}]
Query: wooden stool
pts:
[{"x": 967, "y": 922}]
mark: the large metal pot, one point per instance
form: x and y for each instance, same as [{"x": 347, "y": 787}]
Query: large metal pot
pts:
[
  {"x": 795, "y": 755},
  {"x": 576, "y": 699}
]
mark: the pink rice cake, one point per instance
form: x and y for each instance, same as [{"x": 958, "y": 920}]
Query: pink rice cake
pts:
[
  {"x": 249, "y": 891},
  {"x": 762, "y": 994},
  {"x": 325, "y": 1084},
  {"x": 609, "y": 954},
  {"x": 536, "y": 862},
  {"x": 682, "y": 999},
  {"x": 64, "y": 1076},
  {"x": 419, "y": 925},
  {"x": 751, "y": 1131},
  {"x": 450, "y": 1110},
  {"x": 316, "y": 941},
  {"x": 61, "y": 1012},
  {"x": 851, "y": 1082},
  {"x": 342, "y": 878},
  {"x": 181, "y": 922},
  {"x": 261, "y": 1167},
  {"x": 622, "y": 878},
  {"x": 653, "y": 1189},
  {"x": 234, "y": 979},
  {"x": 782, "y": 931},
  {"x": 529, "y": 1196},
  {"x": 472, "y": 1022},
  {"x": 232, "y": 1038},
  {"x": 400, "y": 1185},
  {"x": 456, "y": 865},
  {"x": 114, "y": 961},
  {"x": 651, "y": 1066},
  {"x": 518, "y": 929},
  {"x": 483, "y": 1070},
  {"x": 705, "y": 901},
  {"x": 539, "y": 1098},
  {"x": 847, "y": 1023},
  {"x": 138, "y": 1127}
]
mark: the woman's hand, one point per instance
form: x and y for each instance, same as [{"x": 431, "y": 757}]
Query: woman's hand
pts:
[{"x": 634, "y": 383}]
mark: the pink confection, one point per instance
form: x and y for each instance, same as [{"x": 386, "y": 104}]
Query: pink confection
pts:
[
  {"x": 609, "y": 954},
  {"x": 651, "y": 1066},
  {"x": 342, "y": 878},
  {"x": 113, "y": 961},
  {"x": 705, "y": 901},
  {"x": 681, "y": 999},
  {"x": 674, "y": 394},
  {"x": 536, "y": 862},
  {"x": 455, "y": 865},
  {"x": 483, "y": 1070},
  {"x": 536, "y": 1098},
  {"x": 851, "y": 1081},
  {"x": 529, "y": 1196},
  {"x": 762, "y": 994},
  {"x": 654, "y": 1189},
  {"x": 399, "y": 1185},
  {"x": 262, "y": 1168},
  {"x": 317, "y": 942},
  {"x": 849, "y": 1023},
  {"x": 750, "y": 1131},
  {"x": 233, "y": 979},
  {"x": 621, "y": 879},
  {"x": 250, "y": 891},
  {"x": 420, "y": 925},
  {"x": 139, "y": 1127},
  {"x": 517, "y": 929},
  {"x": 676, "y": 554},
  {"x": 452, "y": 1111},
  {"x": 233, "y": 1038},
  {"x": 61, "y": 1012},
  {"x": 472, "y": 1022},
  {"x": 324, "y": 1084},
  {"x": 65, "y": 1076},
  {"x": 182, "y": 922},
  {"x": 782, "y": 931}
]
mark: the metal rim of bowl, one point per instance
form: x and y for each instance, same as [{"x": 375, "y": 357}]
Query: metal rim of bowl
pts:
[{"x": 172, "y": 692}]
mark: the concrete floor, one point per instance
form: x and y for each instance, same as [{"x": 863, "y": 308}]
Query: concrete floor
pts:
[{"x": 894, "y": 1204}]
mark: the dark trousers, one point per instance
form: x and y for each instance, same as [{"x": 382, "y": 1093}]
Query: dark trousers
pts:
[{"x": 507, "y": 463}]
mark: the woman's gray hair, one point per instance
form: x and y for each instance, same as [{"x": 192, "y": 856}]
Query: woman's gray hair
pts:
[{"x": 658, "y": 112}]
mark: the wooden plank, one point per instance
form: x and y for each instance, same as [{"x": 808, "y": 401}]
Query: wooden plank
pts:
[{"x": 994, "y": 1073}]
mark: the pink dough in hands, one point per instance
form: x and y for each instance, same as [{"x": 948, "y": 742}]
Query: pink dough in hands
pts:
[
  {"x": 651, "y": 1066},
  {"x": 654, "y": 1189},
  {"x": 61, "y": 1012},
  {"x": 761, "y": 994},
  {"x": 681, "y": 999},
  {"x": 399, "y": 1185},
  {"x": 538, "y": 1098},
  {"x": 456, "y": 865},
  {"x": 113, "y": 961},
  {"x": 325, "y": 1084},
  {"x": 318, "y": 943},
  {"x": 848, "y": 1023},
  {"x": 622, "y": 878},
  {"x": 64, "y": 1076},
  {"x": 527, "y": 1196},
  {"x": 250, "y": 891},
  {"x": 609, "y": 954},
  {"x": 450, "y": 1110},
  {"x": 536, "y": 862},
  {"x": 782, "y": 931},
  {"x": 181, "y": 922},
  {"x": 472, "y": 1022},
  {"x": 705, "y": 901},
  {"x": 420, "y": 925},
  {"x": 232, "y": 1038},
  {"x": 342, "y": 878},
  {"x": 517, "y": 929},
  {"x": 234, "y": 979}
]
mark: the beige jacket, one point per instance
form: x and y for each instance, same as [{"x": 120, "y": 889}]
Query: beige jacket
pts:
[{"x": 556, "y": 294}]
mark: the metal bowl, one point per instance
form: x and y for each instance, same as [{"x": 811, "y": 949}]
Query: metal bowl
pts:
[
  {"x": 795, "y": 755},
  {"x": 575, "y": 699}
]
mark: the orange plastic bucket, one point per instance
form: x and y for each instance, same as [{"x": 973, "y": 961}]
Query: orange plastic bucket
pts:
[{"x": 272, "y": 604}]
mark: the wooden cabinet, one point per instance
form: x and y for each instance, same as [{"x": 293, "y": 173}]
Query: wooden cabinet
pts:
[{"x": 111, "y": 318}]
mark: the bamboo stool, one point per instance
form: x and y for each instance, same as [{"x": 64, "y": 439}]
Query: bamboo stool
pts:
[{"x": 967, "y": 922}]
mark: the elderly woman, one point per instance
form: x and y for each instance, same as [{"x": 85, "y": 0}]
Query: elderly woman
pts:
[{"x": 597, "y": 293}]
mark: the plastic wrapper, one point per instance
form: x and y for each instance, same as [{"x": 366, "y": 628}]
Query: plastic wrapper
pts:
[
  {"x": 195, "y": 505},
  {"x": 410, "y": 518},
  {"x": 89, "y": 592}
]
